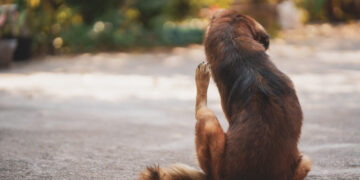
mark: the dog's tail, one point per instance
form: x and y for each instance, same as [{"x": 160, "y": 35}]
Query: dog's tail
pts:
[{"x": 174, "y": 172}]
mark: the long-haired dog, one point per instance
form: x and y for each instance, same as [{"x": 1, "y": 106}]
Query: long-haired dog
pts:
[{"x": 259, "y": 102}]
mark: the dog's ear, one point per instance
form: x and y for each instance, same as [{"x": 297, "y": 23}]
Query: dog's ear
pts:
[
  {"x": 261, "y": 35},
  {"x": 264, "y": 39},
  {"x": 259, "y": 32}
]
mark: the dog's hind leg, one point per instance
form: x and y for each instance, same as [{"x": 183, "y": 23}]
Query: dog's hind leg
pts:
[
  {"x": 303, "y": 168},
  {"x": 210, "y": 137}
]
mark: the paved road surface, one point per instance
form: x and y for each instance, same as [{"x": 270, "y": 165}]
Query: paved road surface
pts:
[{"x": 107, "y": 116}]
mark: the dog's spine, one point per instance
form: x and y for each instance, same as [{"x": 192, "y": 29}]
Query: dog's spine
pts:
[{"x": 174, "y": 172}]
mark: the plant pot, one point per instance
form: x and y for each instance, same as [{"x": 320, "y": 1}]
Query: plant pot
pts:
[
  {"x": 7, "y": 48},
  {"x": 23, "y": 49}
]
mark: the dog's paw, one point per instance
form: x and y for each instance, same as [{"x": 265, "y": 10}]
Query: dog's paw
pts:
[{"x": 202, "y": 75}]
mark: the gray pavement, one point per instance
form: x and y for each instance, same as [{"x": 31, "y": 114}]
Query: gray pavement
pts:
[{"x": 108, "y": 115}]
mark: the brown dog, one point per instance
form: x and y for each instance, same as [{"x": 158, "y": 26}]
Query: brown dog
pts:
[{"x": 259, "y": 102}]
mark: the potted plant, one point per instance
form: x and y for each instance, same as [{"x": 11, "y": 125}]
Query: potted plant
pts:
[{"x": 7, "y": 43}]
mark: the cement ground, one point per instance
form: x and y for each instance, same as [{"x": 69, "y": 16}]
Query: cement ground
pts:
[{"x": 108, "y": 115}]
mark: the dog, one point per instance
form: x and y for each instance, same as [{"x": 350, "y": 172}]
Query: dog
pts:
[{"x": 259, "y": 102}]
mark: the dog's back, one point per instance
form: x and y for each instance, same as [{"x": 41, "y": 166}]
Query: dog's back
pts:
[{"x": 262, "y": 138}]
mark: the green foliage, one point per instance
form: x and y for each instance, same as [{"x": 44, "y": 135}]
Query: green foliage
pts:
[
  {"x": 83, "y": 25},
  {"x": 150, "y": 10},
  {"x": 180, "y": 9},
  {"x": 208, "y": 3},
  {"x": 331, "y": 10},
  {"x": 180, "y": 36},
  {"x": 315, "y": 9},
  {"x": 77, "y": 38},
  {"x": 92, "y": 9}
]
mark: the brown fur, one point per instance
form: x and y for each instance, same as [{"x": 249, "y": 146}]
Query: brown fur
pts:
[
  {"x": 259, "y": 102},
  {"x": 174, "y": 172}
]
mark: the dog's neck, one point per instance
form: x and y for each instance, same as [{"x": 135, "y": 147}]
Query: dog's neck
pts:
[{"x": 232, "y": 63}]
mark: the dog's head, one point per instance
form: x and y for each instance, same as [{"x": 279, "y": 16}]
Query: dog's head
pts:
[{"x": 226, "y": 26}]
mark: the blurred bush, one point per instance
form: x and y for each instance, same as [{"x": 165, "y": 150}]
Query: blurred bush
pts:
[
  {"x": 331, "y": 10},
  {"x": 320, "y": 10},
  {"x": 266, "y": 12},
  {"x": 65, "y": 26}
]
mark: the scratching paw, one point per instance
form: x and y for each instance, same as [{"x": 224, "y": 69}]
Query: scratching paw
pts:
[{"x": 202, "y": 76}]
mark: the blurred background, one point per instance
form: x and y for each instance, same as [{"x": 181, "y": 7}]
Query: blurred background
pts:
[
  {"x": 73, "y": 26},
  {"x": 99, "y": 89}
]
